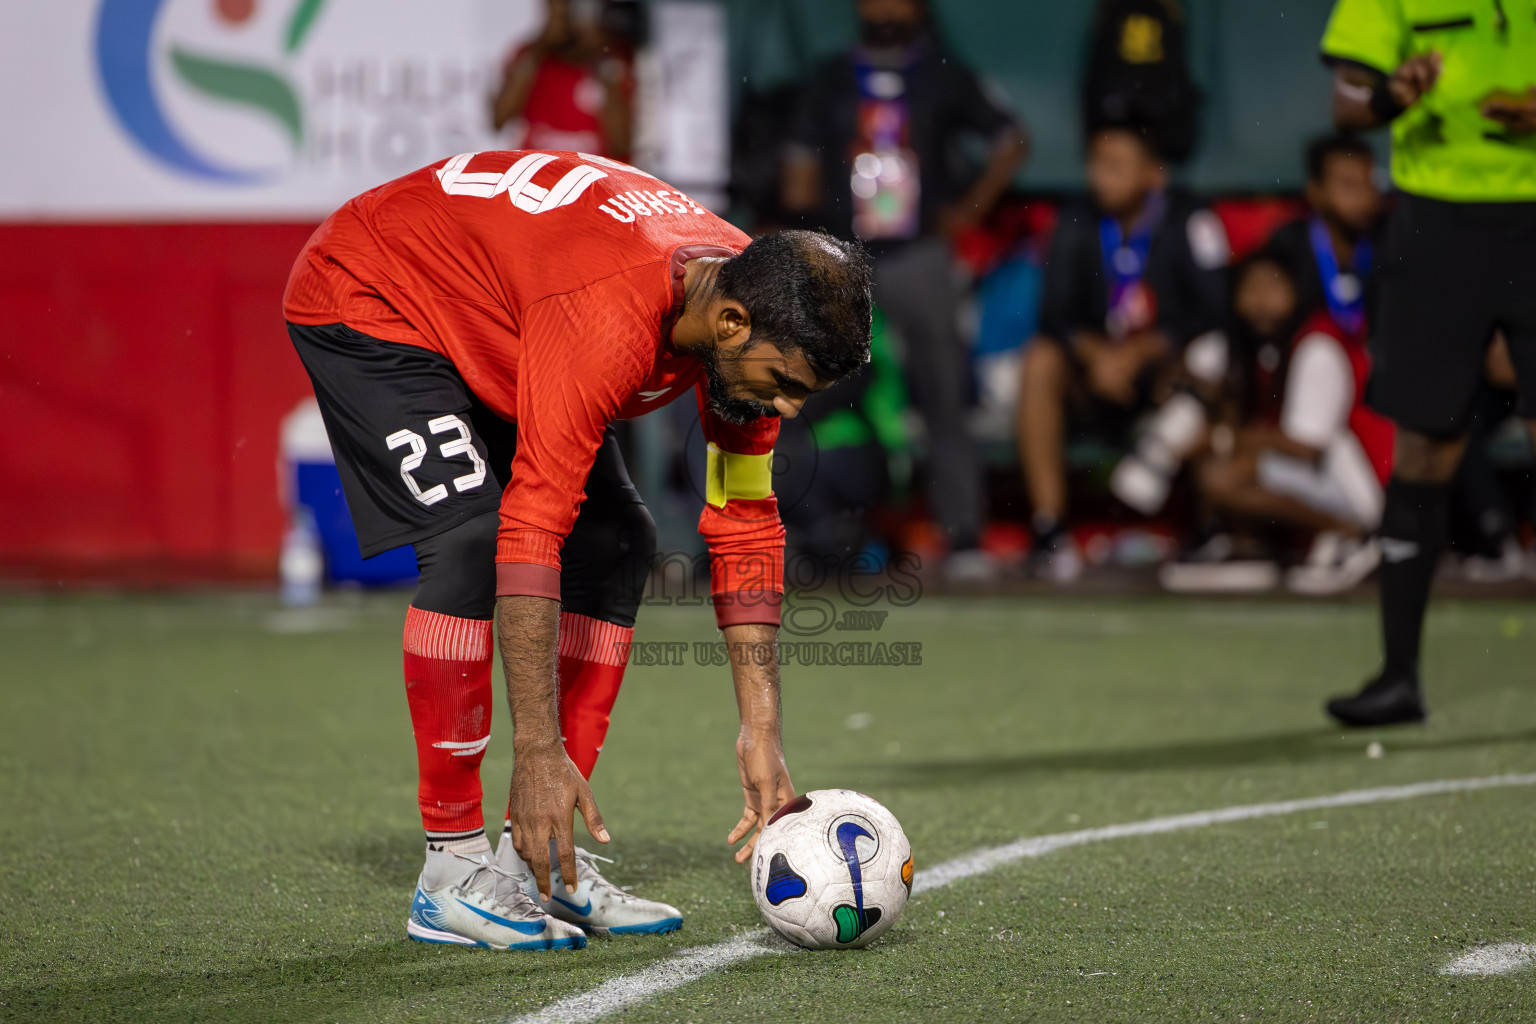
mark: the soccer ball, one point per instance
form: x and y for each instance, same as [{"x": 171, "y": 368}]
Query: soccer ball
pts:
[{"x": 832, "y": 870}]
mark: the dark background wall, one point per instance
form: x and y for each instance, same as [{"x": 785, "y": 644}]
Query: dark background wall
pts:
[{"x": 1266, "y": 92}]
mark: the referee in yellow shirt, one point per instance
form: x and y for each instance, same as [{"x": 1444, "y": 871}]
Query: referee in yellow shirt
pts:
[{"x": 1456, "y": 79}]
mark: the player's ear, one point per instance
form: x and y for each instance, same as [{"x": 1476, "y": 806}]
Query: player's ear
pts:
[{"x": 732, "y": 324}]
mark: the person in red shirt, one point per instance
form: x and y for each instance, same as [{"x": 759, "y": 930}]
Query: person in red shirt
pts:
[
  {"x": 472, "y": 330},
  {"x": 573, "y": 87}
]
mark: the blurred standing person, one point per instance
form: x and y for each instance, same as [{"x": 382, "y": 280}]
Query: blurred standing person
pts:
[
  {"x": 573, "y": 87},
  {"x": 1458, "y": 264},
  {"x": 873, "y": 153}
]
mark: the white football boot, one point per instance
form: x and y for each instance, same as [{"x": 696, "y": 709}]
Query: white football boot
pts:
[
  {"x": 597, "y": 905},
  {"x": 470, "y": 901}
]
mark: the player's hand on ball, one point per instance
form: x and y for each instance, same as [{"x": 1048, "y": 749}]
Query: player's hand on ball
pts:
[
  {"x": 764, "y": 783},
  {"x": 546, "y": 788}
]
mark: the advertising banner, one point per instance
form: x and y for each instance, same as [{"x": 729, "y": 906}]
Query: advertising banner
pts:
[{"x": 239, "y": 109}]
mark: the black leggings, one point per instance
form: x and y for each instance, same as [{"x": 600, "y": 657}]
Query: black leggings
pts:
[{"x": 604, "y": 563}]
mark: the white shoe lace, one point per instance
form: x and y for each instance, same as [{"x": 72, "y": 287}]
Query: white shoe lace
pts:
[
  {"x": 499, "y": 887},
  {"x": 586, "y": 868}
]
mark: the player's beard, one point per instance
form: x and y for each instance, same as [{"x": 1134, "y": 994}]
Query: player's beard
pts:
[{"x": 724, "y": 375}]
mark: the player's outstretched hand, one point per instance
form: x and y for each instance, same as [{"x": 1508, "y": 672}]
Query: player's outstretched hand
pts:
[
  {"x": 546, "y": 788},
  {"x": 764, "y": 782}
]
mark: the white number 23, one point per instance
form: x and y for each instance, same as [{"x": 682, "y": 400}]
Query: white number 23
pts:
[{"x": 461, "y": 445}]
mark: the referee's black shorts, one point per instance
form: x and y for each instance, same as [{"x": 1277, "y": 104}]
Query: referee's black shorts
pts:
[{"x": 1451, "y": 274}]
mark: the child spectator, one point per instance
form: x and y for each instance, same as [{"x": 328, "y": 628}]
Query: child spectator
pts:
[{"x": 1133, "y": 274}]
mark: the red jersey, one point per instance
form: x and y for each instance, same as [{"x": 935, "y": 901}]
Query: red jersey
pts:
[
  {"x": 566, "y": 101},
  {"x": 552, "y": 281}
]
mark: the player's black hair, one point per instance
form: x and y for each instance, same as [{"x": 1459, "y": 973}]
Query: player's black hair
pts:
[
  {"x": 1336, "y": 144},
  {"x": 806, "y": 292}
]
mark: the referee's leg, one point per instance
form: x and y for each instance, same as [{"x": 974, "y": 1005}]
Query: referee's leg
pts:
[
  {"x": 1412, "y": 535},
  {"x": 1437, "y": 314}
]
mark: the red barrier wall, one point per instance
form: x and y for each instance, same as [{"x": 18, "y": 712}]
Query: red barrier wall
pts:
[{"x": 144, "y": 370}]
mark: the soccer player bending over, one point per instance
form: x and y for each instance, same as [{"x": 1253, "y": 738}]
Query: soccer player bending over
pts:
[{"x": 472, "y": 330}]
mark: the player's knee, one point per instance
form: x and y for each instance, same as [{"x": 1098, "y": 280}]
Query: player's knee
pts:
[{"x": 458, "y": 569}]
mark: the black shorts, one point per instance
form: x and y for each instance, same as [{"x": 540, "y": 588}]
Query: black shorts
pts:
[
  {"x": 1452, "y": 273},
  {"x": 417, "y": 452}
]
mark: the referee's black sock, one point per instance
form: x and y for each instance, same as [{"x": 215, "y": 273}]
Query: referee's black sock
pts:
[{"x": 1413, "y": 526}]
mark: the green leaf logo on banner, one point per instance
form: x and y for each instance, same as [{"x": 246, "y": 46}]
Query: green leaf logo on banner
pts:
[
  {"x": 245, "y": 84},
  {"x": 252, "y": 85}
]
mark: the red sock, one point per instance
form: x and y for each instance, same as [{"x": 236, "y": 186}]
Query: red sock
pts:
[
  {"x": 592, "y": 658},
  {"x": 448, "y": 684}
]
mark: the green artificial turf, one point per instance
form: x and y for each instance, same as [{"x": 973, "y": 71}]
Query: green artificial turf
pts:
[{"x": 208, "y": 814}]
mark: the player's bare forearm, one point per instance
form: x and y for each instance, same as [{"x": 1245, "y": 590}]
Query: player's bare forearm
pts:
[
  {"x": 754, "y": 651},
  {"x": 546, "y": 786},
  {"x": 765, "y": 778},
  {"x": 526, "y": 631}
]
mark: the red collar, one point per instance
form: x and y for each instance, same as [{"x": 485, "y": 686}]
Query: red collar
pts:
[{"x": 680, "y": 257}]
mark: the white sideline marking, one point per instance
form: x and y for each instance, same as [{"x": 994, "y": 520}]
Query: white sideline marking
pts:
[
  {"x": 632, "y": 989},
  {"x": 629, "y": 990},
  {"x": 983, "y": 861},
  {"x": 1482, "y": 961}
]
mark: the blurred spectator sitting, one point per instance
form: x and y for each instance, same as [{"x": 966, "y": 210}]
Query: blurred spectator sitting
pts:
[
  {"x": 1322, "y": 467},
  {"x": 573, "y": 86},
  {"x": 873, "y": 153},
  {"x": 1133, "y": 274},
  {"x": 1330, "y": 249},
  {"x": 1318, "y": 461},
  {"x": 1324, "y": 260}
]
